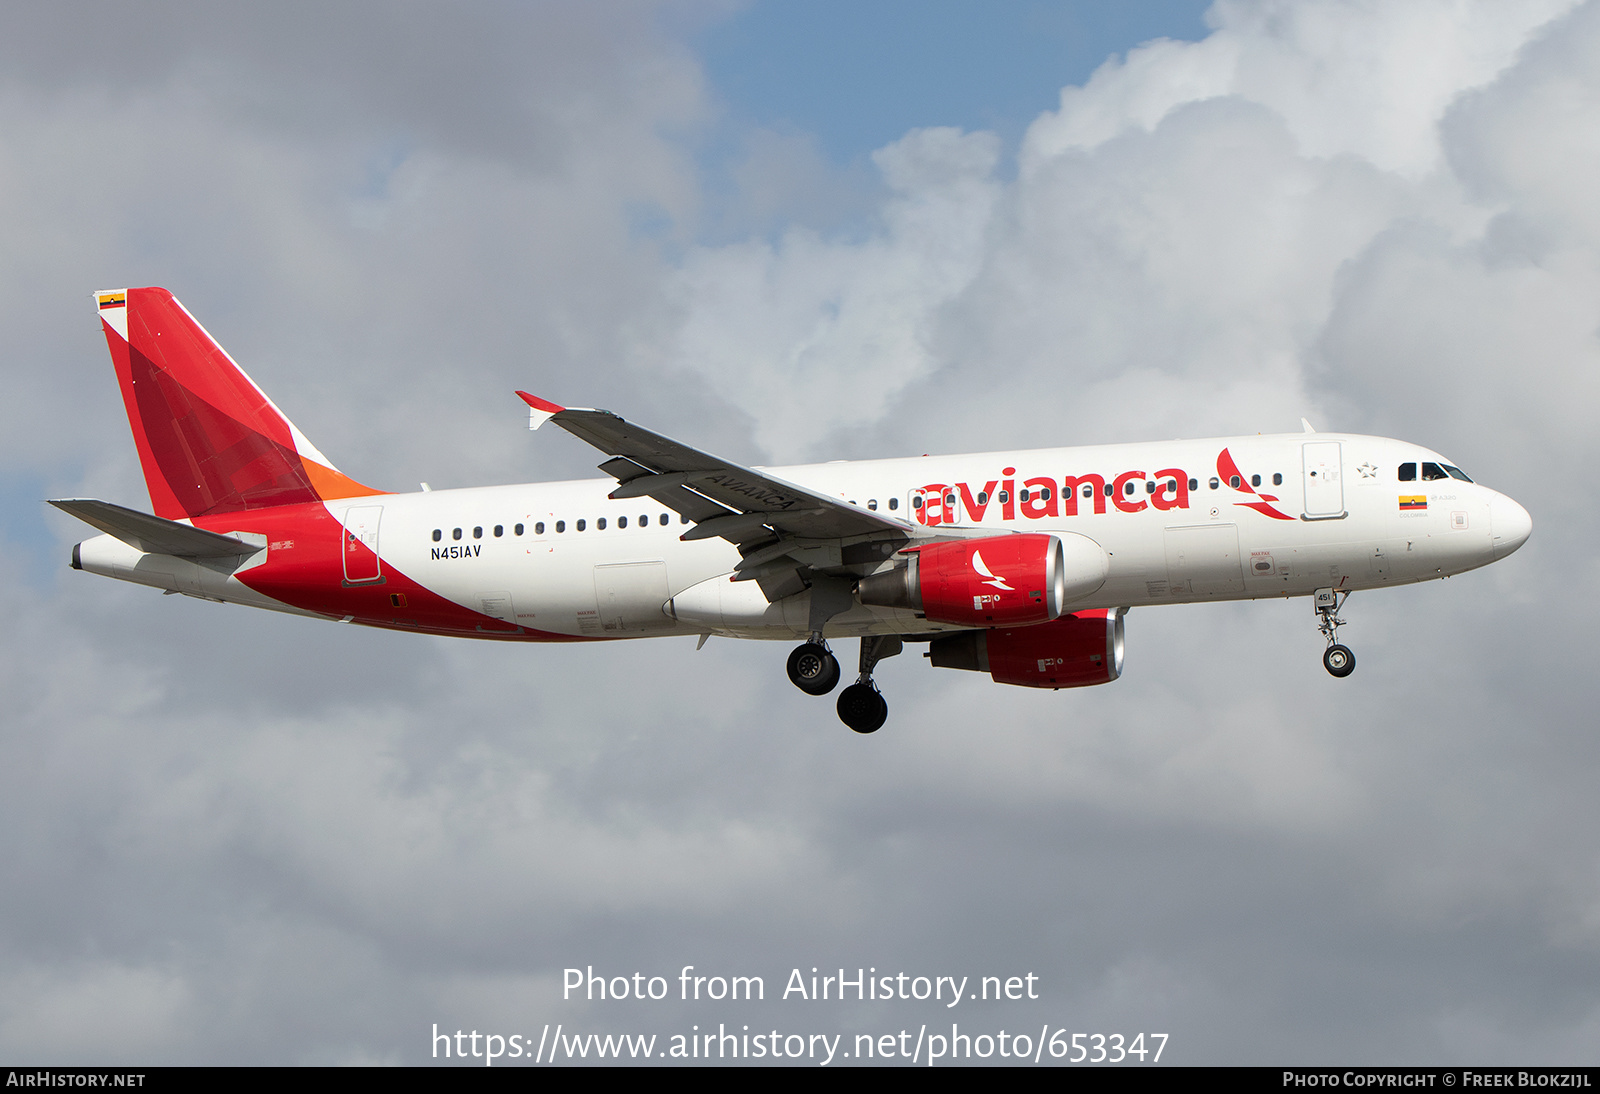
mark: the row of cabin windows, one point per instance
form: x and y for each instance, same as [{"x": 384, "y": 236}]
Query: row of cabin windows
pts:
[
  {"x": 1431, "y": 472},
  {"x": 1128, "y": 488},
  {"x": 561, "y": 526},
  {"x": 872, "y": 503}
]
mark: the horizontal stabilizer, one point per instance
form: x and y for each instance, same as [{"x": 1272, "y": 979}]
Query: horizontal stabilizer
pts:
[{"x": 154, "y": 535}]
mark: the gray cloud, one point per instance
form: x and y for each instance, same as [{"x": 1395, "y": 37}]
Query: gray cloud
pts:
[{"x": 239, "y": 837}]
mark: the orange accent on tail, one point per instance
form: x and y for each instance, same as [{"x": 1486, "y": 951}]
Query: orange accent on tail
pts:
[{"x": 330, "y": 484}]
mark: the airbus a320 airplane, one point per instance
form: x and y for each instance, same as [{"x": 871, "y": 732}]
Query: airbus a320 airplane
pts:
[{"x": 1018, "y": 564}]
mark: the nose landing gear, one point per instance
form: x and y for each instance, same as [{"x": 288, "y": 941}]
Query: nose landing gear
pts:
[{"x": 1337, "y": 659}]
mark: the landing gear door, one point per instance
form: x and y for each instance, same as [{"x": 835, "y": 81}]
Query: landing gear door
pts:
[
  {"x": 361, "y": 565},
  {"x": 1324, "y": 481}
]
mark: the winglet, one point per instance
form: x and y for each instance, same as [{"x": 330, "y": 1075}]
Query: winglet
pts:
[
  {"x": 1307, "y": 425},
  {"x": 539, "y": 410}
]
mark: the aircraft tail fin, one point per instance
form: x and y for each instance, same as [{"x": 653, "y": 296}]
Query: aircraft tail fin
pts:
[{"x": 209, "y": 440}]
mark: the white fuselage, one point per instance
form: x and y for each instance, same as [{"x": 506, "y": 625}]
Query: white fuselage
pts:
[{"x": 564, "y": 560}]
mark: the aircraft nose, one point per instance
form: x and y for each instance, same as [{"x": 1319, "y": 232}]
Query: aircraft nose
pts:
[{"x": 1509, "y": 525}]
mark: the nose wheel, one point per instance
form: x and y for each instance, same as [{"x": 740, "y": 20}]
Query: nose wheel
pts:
[
  {"x": 1337, "y": 658},
  {"x": 1339, "y": 661}
]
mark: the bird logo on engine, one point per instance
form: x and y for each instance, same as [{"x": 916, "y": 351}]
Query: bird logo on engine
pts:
[{"x": 983, "y": 569}]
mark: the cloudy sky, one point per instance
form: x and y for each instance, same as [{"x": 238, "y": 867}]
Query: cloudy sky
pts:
[{"x": 794, "y": 232}]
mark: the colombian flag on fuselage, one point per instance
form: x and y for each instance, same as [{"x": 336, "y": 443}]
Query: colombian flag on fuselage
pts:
[{"x": 1413, "y": 503}]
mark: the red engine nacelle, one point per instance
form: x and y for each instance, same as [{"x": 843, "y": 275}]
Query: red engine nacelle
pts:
[
  {"x": 997, "y": 581},
  {"x": 1075, "y": 651}
]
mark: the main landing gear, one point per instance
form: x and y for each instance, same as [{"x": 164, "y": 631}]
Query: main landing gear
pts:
[
  {"x": 1337, "y": 659},
  {"x": 815, "y": 671},
  {"x": 813, "y": 668}
]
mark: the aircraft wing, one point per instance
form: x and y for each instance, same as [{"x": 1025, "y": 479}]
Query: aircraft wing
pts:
[
  {"x": 737, "y": 503},
  {"x": 157, "y": 535}
]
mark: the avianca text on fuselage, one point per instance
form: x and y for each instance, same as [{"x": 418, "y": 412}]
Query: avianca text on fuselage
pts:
[
  {"x": 1052, "y": 496},
  {"x": 1019, "y": 564}
]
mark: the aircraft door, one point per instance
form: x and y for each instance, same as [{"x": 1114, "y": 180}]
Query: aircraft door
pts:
[
  {"x": 360, "y": 542},
  {"x": 1324, "y": 482}
]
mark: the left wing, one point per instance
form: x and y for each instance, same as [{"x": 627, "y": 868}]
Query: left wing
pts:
[
  {"x": 722, "y": 498},
  {"x": 776, "y": 524}
]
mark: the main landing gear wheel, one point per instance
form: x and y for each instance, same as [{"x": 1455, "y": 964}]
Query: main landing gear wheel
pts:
[
  {"x": 862, "y": 708},
  {"x": 813, "y": 669},
  {"x": 1339, "y": 661}
]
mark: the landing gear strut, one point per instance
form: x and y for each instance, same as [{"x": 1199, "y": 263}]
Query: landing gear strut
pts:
[
  {"x": 861, "y": 706},
  {"x": 813, "y": 668},
  {"x": 1337, "y": 659}
]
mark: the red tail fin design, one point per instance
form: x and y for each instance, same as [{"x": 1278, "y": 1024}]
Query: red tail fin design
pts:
[{"x": 209, "y": 440}]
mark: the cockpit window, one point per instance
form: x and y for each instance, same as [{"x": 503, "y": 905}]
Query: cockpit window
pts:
[
  {"x": 1457, "y": 473},
  {"x": 1408, "y": 472},
  {"x": 1432, "y": 472}
]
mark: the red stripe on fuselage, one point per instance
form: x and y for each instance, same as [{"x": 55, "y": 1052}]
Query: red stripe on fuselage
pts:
[{"x": 305, "y": 569}]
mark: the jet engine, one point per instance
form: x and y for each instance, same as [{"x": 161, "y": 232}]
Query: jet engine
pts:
[
  {"x": 1075, "y": 651},
  {"x": 997, "y": 581}
]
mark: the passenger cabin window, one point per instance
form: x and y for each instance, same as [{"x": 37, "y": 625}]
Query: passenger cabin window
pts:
[
  {"x": 1255, "y": 480},
  {"x": 581, "y": 525},
  {"x": 1127, "y": 488},
  {"x": 561, "y": 526},
  {"x": 894, "y": 503},
  {"x": 916, "y": 501},
  {"x": 622, "y": 522},
  {"x": 1022, "y": 495},
  {"x": 644, "y": 520},
  {"x": 983, "y": 497},
  {"x": 499, "y": 530},
  {"x": 1432, "y": 472},
  {"x": 872, "y": 503},
  {"x": 1194, "y": 484},
  {"x": 455, "y": 533},
  {"x": 538, "y": 528},
  {"x": 437, "y": 535},
  {"x": 1215, "y": 483},
  {"x": 1233, "y": 481},
  {"x": 477, "y": 533},
  {"x": 665, "y": 520},
  {"x": 1005, "y": 496},
  {"x": 600, "y": 524},
  {"x": 1088, "y": 489},
  {"x": 1408, "y": 472},
  {"x": 1277, "y": 480}
]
